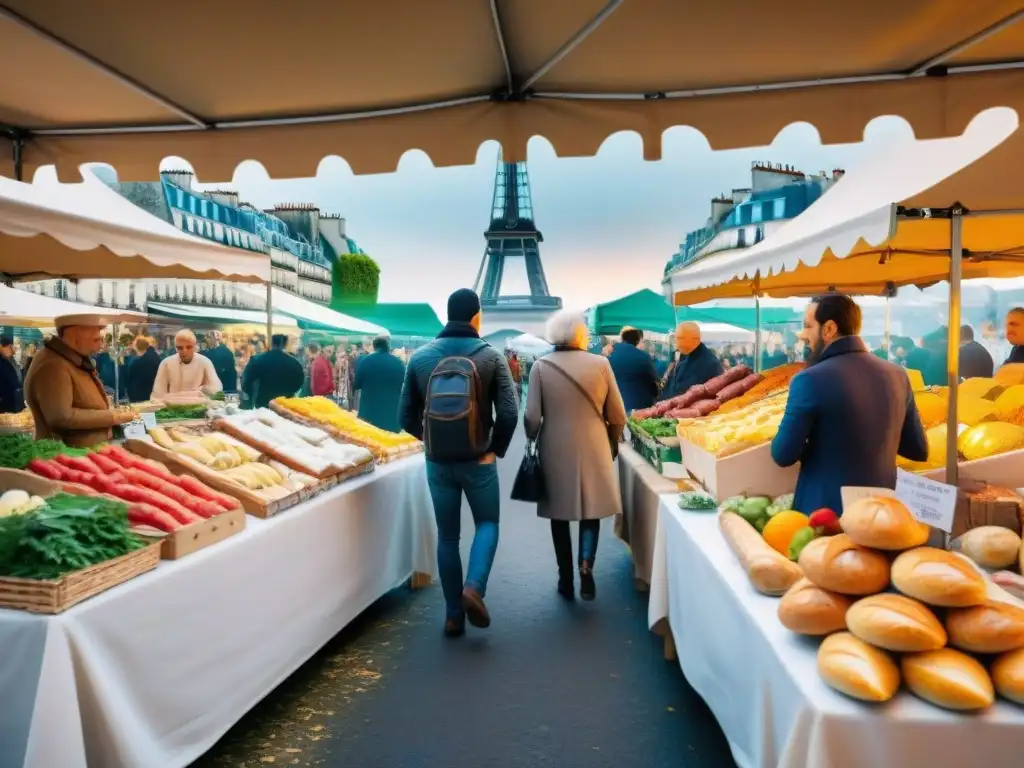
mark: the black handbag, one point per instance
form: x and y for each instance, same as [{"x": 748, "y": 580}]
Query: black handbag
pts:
[{"x": 529, "y": 484}]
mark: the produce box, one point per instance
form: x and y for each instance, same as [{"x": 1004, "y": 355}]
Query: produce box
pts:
[
  {"x": 1005, "y": 470},
  {"x": 750, "y": 472},
  {"x": 34, "y": 485},
  {"x": 197, "y": 536},
  {"x": 656, "y": 452},
  {"x": 380, "y": 454}
]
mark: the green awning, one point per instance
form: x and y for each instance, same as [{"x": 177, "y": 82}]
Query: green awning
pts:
[
  {"x": 743, "y": 317},
  {"x": 402, "y": 320},
  {"x": 644, "y": 309}
]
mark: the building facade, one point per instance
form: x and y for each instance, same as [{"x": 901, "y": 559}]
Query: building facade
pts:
[
  {"x": 302, "y": 243},
  {"x": 777, "y": 193}
]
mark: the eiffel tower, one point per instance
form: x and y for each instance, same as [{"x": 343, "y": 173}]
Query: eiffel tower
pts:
[{"x": 513, "y": 235}]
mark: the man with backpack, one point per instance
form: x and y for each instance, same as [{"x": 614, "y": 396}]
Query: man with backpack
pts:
[{"x": 459, "y": 398}]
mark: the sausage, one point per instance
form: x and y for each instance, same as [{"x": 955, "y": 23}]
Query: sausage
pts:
[
  {"x": 729, "y": 391},
  {"x": 684, "y": 413},
  {"x": 715, "y": 385},
  {"x": 751, "y": 381},
  {"x": 770, "y": 572},
  {"x": 704, "y": 407},
  {"x": 689, "y": 397}
]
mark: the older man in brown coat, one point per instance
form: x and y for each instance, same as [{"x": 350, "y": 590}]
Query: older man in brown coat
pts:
[{"x": 63, "y": 390}]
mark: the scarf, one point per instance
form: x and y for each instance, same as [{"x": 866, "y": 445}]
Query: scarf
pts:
[{"x": 457, "y": 330}]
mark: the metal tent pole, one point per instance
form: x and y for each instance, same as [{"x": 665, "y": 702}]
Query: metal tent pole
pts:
[
  {"x": 115, "y": 341},
  {"x": 953, "y": 343},
  {"x": 270, "y": 313},
  {"x": 890, "y": 291},
  {"x": 757, "y": 334}
]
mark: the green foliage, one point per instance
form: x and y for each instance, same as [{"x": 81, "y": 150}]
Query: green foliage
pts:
[{"x": 356, "y": 278}]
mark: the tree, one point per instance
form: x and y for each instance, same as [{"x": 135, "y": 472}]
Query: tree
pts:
[{"x": 356, "y": 278}]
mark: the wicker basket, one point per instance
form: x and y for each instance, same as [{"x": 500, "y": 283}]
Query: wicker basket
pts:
[{"x": 57, "y": 595}]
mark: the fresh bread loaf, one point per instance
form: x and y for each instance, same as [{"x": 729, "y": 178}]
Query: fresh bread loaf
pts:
[
  {"x": 995, "y": 627},
  {"x": 857, "y": 669},
  {"x": 937, "y": 577},
  {"x": 883, "y": 523},
  {"x": 948, "y": 678},
  {"x": 991, "y": 546},
  {"x": 895, "y": 623},
  {"x": 769, "y": 571},
  {"x": 810, "y": 610},
  {"x": 1008, "y": 675},
  {"x": 837, "y": 564}
]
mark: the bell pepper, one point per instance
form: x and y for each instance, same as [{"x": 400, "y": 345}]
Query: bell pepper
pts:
[
  {"x": 825, "y": 522},
  {"x": 800, "y": 539}
]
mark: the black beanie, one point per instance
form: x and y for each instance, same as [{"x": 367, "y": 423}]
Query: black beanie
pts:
[{"x": 463, "y": 306}]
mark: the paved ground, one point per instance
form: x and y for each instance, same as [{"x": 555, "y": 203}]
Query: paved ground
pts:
[{"x": 549, "y": 684}]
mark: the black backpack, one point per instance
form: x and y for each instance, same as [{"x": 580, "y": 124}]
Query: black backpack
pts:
[{"x": 453, "y": 426}]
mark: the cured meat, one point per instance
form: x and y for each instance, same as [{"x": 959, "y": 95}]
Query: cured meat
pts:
[
  {"x": 704, "y": 407},
  {"x": 738, "y": 388},
  {"x": 715, "y": 385},
  {"x": 684, "y": 413}
]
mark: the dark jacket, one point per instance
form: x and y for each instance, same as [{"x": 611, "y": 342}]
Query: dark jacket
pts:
[
  {"x": 224, "y": 364},
  {"x": 273, "y": 373},
  {"x": 847, "y": 417},
  {"x": 635, "y": 375},
  {"x": 141, "y": 374},
  {"x": 379, "y": 379},
  {"x": 975, "y": 361},
  {"x": 501, "y": 412},
  {"x": 695, "y": 368},
  {"x": 12, "y": 396},
  {"x": 1016, "y": 355}
]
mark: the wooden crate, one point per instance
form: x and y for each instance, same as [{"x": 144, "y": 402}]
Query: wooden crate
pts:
[
  {"x": 31, "y": 483},
  {"x": 195, "y": 536},
  {"x": 56, "y": 596},
  {"x": 380, "y": 455}
]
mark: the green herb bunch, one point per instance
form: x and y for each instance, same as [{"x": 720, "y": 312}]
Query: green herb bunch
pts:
[
  {"x": 181, "y": 412},
  {"x": 68, "y": 534},
  {"x": 17, "y": 450}
]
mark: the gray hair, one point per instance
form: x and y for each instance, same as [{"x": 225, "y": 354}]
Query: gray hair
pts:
[{"x": 563, "y": 328}]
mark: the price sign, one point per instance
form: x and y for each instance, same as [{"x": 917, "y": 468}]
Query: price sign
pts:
[
  {"x": 930, "y": 502},
  {"x": 149, "y": 419},
  {"x": 135, "y": 428}
]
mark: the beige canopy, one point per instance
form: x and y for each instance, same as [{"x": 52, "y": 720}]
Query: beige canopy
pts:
[{"x": 290, "y": 83}]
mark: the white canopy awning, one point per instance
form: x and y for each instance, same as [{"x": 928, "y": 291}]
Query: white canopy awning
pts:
[
  {"x": 87, "y": 230},
  {"x": 32, "y": 310},
  {"x": 857, "y": 217},
  {"x": 193, "y": 313},
  {"x": 316, "y": 314},
  {"x": 723, "y": 333}
]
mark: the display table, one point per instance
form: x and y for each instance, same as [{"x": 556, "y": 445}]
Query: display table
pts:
[
  {"x": 641, "y": 487},
  {"x": 760, "y": 681},
  {"x": 153, "y": 672}
]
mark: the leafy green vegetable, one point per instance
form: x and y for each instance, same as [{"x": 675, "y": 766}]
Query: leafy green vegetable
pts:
[
  {"x": 68, "y": 534},
  {"x": 17, "y": 450},
  {"x": 181, "y": 412},
  {"x": 658, "y": 427},
  {"x": 696, "y": 500}
]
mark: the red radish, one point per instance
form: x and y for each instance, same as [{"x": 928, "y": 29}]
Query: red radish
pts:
[
  {"x": 192, "y": 485},
  {"x": 47, "y": 469},
  {"x": 106, "y": 465},
  {"x": 146, "y": 514},
  {"x": 80, "y": 463},
  {"x": 825, "y": 522},
  {"x": 158, "y": 500},
  {"x": 201, "y": 507}
]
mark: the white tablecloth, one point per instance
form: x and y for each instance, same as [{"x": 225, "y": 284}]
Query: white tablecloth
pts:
[
  {"x": 153, "y": 672},
  {"x": 640, "y": 486},
  {"x": 760, "y": 682}
]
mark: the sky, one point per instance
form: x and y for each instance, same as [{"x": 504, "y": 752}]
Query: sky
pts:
[{"x": 610, "y": 222}]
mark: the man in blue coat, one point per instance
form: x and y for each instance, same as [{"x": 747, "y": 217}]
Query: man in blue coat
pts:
[
  {"x": 379, "y": 378},
  {"x": 634, "y": 371},
  {"x": 848, "y": 414},
  {"x": 696, "y": 365}
]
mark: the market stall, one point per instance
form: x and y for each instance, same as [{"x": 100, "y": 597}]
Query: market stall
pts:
[
  {"x": 164, "y": 567},
  {"x": 640, "y": 486},
  {"x": 25, "y": 309},
  {"x": 761, "y": 680}
]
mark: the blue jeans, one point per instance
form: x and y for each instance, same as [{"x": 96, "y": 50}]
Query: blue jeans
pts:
[{"x": 479, "y": 482}]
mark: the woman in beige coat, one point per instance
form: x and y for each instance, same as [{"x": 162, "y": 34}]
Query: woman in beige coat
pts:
[{"x": 577, "y": 434}]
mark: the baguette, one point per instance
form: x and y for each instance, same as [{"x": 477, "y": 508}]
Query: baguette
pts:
[{"x": 770, "y": 572}]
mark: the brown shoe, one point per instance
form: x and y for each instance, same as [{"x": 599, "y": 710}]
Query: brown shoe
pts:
[
  {"x": 454, "y": 627},
  {"x": 475, "y": 609}
]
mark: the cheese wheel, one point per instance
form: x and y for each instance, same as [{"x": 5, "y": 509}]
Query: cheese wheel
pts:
[
  {"x": 937, "y": 577},
  {"x": 769, "y": 571},
  {"x": 895, "y": 623},
  {"x": 994, "y": 627},
  {"x": 948, "y": 678},
  {"x": 1008, "y": 675},
  {"x": 857, "y": 669},
  {"x": 810, "y": 610},
  {"x": 883, "y": 523},
  {"x": 838, "y": 564}
]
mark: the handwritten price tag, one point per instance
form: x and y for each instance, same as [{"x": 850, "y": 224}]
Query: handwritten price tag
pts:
[
  {"x": 149, "y": 420},
  {"x": 135, "y": 428},
  {"x": 930, "y": 502}
]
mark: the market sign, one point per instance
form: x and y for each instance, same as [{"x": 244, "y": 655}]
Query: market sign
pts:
[{"x": 930, "y": 502}]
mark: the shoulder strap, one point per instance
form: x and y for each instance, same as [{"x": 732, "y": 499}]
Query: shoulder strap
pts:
[{"x": 579, "y": 388}]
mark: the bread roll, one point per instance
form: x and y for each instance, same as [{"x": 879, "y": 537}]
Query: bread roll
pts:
[
  {"x": 1008, "y": 675},
  {"x": 837, "y": 564},
  {"x": 948, "y": 678},
  {"x": 994, "y": 627},
  {"x": 769, "y": 571},
  {"x": 883, "y": 523},
  {"x": 937, "y": 577},
  {"x": 991, "y": 546},
  {"x": 857, "y": 669},
  {"x": 895, "y": 623},
  {"x": 810, "y": 610}
]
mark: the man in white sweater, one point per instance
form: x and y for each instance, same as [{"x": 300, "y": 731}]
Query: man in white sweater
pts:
[{"x": 186, "y": 372}]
